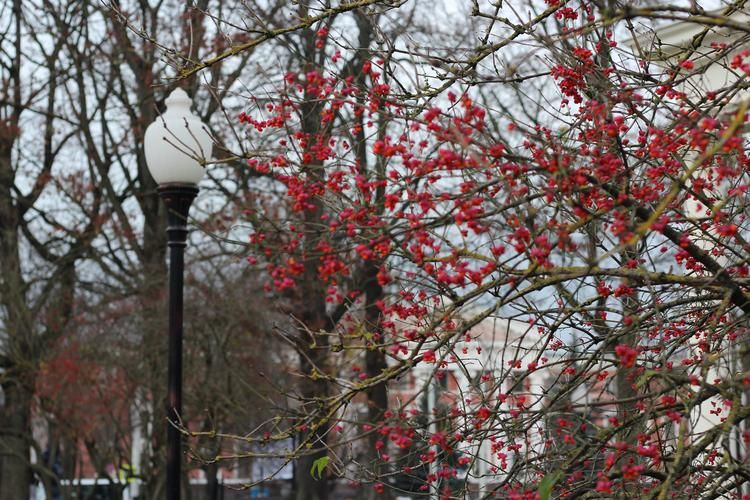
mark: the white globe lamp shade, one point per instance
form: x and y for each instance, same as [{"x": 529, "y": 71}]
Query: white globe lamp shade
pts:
[{"x": 177, "y": 144}]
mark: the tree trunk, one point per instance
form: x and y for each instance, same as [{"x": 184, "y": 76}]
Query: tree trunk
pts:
[
  {"x": 15, "y": 430},
  {"x": 313, "y": 390},
  {"x": 625, "y": 377},
  {"x": 212, "y": 481},
  {"x": 377, "y": 395},
  {"x": 313, "y": 345}
]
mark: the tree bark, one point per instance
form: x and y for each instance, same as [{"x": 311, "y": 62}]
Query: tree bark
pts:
[
  {"x": 375, "y": 363},
  {"x": 625, "y": 377},
  {"x": 307, "y": 487},
  {"x": 15, "y": 472}
]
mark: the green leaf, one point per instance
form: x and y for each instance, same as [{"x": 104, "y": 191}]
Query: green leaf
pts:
[
  {"x": 546, "y": 485},
  {"x": 318, "y": 467}
]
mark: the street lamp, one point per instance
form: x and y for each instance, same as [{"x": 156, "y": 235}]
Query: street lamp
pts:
[{"x": 176, "y": 145}]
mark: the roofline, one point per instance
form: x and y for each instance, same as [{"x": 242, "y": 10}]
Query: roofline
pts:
[{"x": 677, "y": 36}]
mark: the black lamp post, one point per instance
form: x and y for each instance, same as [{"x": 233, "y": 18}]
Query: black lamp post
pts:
[{"x": 174, "y": 145}]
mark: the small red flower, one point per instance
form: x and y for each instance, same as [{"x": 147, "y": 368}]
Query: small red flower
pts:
[
  {"x": 483, "y": 413},
  {"x": 626, "y": 355}
]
